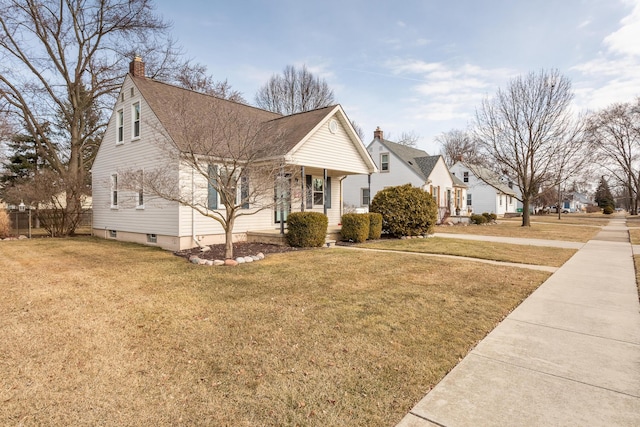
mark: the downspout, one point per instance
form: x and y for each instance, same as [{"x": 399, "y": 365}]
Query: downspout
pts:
[
  {"x": 324, "y": 193},
  {"x": 193, "y": 211},
  {"x": 341, "y": 199},
  {"x": 369, "y": 187},
  {"x": 303, "y": 181}
]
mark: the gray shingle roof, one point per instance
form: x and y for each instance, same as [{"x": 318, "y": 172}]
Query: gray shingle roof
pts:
[
  {"x": 418, "y": 160},
  {"x": 181, "y": 112},
  {"x": 491, "y": 178}
]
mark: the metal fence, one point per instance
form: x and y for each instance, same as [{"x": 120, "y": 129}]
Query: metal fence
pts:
[{"x": 20, "y": 220}]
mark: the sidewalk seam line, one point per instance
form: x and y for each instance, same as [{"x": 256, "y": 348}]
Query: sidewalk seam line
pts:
[
  {"x": 574, "y": 332},
  {"x": 476, "y": 353},
  {"x": 427, "y": 419}
]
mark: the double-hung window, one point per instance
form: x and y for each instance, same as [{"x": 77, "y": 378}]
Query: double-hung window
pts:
[
  {"x": 219, "y": 184},
  {"x": 384, "y": 162},
  {"x": 114, "y": 191},
  {"x": 465, "y": 176},
  {"x": 140, "y": 191},
  {"x": 365, "y": 197},
  {"x": 468, "y": 199},
  {"x": 318, "y": 191},
  {"x": 135, "y": 118},
  {"x": 120, "y": 118}
]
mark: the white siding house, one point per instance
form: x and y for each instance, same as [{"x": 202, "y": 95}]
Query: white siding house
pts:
[
  {"x": 398, "y": 165},
  {"x": 321, "y": 147},
  {"x": 486, "y": 191}
]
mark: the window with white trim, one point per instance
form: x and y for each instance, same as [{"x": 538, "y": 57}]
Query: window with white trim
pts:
[
  {"x": 468, "y": 199},
  {"x": 318, "y": 191},
  {"x": 114, "y": 191},
  {"x": 120, "y": 121},
  {"x": 218, "y": 180},
  {"x": 465, "y": 176},
  {"x": 135, "y": 120},
  {"x": 384, "y": 162},
  {"x": 140, "y": 191},
  {"x": 365, "y": 196}
]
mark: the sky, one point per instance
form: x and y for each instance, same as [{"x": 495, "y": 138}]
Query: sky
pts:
[{"x": 416, "y": 66}]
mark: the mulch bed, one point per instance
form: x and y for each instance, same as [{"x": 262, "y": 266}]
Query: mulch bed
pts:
[{"x": 240, "y": 249}]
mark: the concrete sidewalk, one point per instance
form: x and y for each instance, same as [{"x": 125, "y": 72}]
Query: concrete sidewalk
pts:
[{"x": 569, "y": 355}]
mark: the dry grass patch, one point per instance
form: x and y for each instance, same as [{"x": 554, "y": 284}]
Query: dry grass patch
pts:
[
  {"x": 634, "y": 236},
  {"x": 523, "y": 254},
  {"x": 105, "y": 333},
  {"x": 509, "y": 228},
  {"x": 594, "y": 219}
]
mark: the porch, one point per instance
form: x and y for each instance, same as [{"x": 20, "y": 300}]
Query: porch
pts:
[{"x": 273, "y": 236}]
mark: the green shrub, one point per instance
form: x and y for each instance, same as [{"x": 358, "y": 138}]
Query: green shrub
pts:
[
  {"x": 607, "y": 210},
  {"x": 306, "y": 229},
  {"x": 491, "y": 217},
  {"x": 405, "y": 210},
  {"x": 375, "y": 225},
  {"x": 478, "y": 219},
  {"x": 355, "y": 227}
]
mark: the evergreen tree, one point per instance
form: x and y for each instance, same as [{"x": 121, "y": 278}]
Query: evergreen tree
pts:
[{"x": 604, "y": 197}]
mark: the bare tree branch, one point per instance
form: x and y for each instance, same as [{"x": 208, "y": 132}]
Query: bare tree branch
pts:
[
  {"x": 528, "y": 133},
  {"x": 295, "y": 91}
]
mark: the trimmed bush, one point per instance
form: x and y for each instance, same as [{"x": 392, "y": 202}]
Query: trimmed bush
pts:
[
  {"x": 607, "y": 210},
  {"x": 5, "y": 224},
  {"x": 491, "y": 217},
  {"x": 306, "y": 229},
  {"x": 405, "y": 210},
  {"x": 355, "y": 227},
  {"x": 375, "y": 225},
  {"x": 478, "y": 219}
]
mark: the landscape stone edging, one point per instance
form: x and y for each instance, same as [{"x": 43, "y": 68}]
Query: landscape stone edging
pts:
[{"x": 194, "y": 259}]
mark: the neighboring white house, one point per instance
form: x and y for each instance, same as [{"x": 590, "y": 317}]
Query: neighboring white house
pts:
[
  {"x": 321, "y": 145},
  {"x": 398, "y": 165},
  {"x": 486, "y": 191},
  {"x": 577, "y": 202}
]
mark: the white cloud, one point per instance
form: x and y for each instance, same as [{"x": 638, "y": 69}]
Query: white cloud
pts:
[
  {"x": 447, "y": 92},
  {"x": 584, "y": 24},
  {"x": 625, "y": 40},
  {"x": 614, "y": 75}
]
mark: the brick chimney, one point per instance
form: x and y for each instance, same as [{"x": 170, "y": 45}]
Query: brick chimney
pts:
[
  {"x": 377, "y": 134},
  {"x": 136, "y": 67}
]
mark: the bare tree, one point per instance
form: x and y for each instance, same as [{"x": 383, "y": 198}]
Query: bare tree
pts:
[
  {"x": 295, "y": 91},
  {"x": 458, "y": 145},
  {"x": 410, "y": 139},
  {"x": 61, "y": 63},
  {"x": 233, "y": 159},
  {"x": 358, "y": 130},
  {"x": 528, "y": 132},
  {"x": 194, "y": 77},
  {"x": 615, "y": 131}
]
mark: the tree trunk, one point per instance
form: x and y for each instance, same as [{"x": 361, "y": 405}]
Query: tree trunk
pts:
[
  {"x": 228, "y": 236},
  {"x": 526, "y": 217}
]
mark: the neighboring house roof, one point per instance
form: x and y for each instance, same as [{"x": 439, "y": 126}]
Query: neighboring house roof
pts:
[
  {"x": 417, "y": 160},
  {"x": 179, "y": 110},
  {"x": 458, "y": 182},
  {"x": 406, "y": 154},
  {"x": 491, "y": 178}
]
